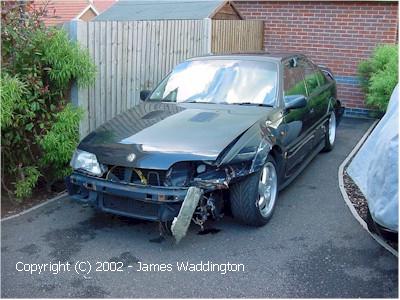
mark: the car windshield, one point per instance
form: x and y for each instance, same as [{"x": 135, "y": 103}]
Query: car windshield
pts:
[{"x": 221, "y": 81}]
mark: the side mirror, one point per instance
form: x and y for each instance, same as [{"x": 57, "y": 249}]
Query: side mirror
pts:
[
  {"x": 144, "y": 94},
  {"x": 295, "y": 102}
]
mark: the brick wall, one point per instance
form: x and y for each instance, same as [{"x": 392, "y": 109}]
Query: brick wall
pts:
[{"x": 336, "y": 34}]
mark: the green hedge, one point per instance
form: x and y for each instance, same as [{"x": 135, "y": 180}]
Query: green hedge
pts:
[{"x": 379, "y": 76}]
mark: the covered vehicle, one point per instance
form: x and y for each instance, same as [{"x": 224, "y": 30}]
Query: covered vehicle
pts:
[
  {"x": 236, "y": 128},
  {"x": 375, "y": 171}
]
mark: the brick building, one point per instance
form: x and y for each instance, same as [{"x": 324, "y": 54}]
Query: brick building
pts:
[{"x": 334, "y": 33}]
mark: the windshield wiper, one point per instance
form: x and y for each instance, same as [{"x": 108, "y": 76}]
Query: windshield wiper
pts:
[
  {"x": 255, "y": 104},
  {"x": 202, "y": 102}
]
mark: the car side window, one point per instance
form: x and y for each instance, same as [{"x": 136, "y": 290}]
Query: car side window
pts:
[
  {"x": 312, "y": 76},
  {"x": 293, "y": 81},
  {"x": 328, "y": 77},
  {"x": 322, "y": 78}
]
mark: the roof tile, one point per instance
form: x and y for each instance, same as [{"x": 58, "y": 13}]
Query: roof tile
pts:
[{"x": 59, "y": 11}]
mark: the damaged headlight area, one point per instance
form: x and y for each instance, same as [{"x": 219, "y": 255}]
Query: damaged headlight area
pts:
[
  {"x": 234, "y": 164},
  {"x": 205, "y": 174},
  {"x": 180, "y": 174},
  {"x": 87, "y": 162},
  {"x": 219, "y": 177}
]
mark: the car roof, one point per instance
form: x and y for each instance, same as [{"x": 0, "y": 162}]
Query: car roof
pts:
[{"x": 258, "y": 55}]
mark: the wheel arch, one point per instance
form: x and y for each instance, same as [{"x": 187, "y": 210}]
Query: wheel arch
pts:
[{"x": 277, "y": 153}]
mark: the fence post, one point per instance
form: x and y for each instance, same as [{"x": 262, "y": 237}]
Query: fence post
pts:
[
  {"x": 77, "y": 32},
  {"x": 207, "y": 35},
  {"x": 71, "y": 29}
]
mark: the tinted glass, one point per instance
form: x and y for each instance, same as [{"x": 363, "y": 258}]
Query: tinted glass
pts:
[
  {"x": 220, "y": 81},
  {"x": 313, "y": 77},
  {"x": 322, "y": 78},
  {"x": 293, "y": 79}
]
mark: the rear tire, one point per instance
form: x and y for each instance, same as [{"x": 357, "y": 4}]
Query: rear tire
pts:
[
  {"x": 253, "y": 199},
  {"x": 330, "y": 135}
]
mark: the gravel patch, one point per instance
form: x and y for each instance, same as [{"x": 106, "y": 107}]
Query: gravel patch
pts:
[
  {"x": 356, "y": 196},
  {"x": 360, "y": 203}
]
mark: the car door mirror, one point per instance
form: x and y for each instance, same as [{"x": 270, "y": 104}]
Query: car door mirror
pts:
[
  {"x": 144, "y": 94},
  {"x": 295, "y": 102}
]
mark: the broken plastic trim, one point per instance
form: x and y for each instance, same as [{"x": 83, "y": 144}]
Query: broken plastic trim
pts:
[
  {"x": 181, "y": 223},
  {"x": 221, "y": 177}
]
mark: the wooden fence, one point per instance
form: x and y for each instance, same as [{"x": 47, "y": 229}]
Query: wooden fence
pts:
[
  {"x": 136, "y": 55},
  {"x": 237, "y": 36}
]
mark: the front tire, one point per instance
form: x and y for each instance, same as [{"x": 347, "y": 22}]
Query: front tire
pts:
[
  {"x": 253, "y": 199},
  {"x": 330, "y": 135}
]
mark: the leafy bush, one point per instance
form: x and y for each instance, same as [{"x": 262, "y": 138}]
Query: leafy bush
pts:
[
  {"x": 379, "y": 76},
  {"x": 63, "y": 59},
  {"x": 24, "y": 186},
  {"x": 60, "y": 141},
  {"x": 12, "y": 90},
  {"x": 39, "y": 128}
]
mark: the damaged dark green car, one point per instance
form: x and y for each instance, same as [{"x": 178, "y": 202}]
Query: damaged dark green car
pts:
[{"x": 220, "y": 134}]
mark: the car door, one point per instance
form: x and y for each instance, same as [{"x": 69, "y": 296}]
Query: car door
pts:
[
  {"x": 318, "y": 97},
  {"x": 297, "y": 123}
]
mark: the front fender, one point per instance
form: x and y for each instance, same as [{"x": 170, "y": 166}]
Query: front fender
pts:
[
  {"x": 252, "y": 146},
  {"x": 261, "y": 156}
]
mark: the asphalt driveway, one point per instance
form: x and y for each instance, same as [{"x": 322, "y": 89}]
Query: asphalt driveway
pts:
[{"x": 313, "y": 247}]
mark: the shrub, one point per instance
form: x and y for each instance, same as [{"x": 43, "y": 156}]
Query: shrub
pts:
[
  {"x": 39, "y": 128},
  {"x": 63, "y": 59},
  {"x": 379, "y": 76},
  {"x": 60, "y": 141},
  {"x": 24, "y": 186},
  {"x": 12, "y": 90}
]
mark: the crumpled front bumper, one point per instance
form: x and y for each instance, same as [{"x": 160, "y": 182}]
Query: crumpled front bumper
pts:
[{"x": 131, "y": 200}]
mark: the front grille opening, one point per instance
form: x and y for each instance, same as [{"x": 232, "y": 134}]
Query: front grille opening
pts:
[
  {"x": 137, "y": 176},
  {"x": 153, "y": 178},
  {"x": 116, "y": 173}
]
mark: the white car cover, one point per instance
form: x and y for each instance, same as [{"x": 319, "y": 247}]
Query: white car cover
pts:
[{"x": 375, "y": 167}]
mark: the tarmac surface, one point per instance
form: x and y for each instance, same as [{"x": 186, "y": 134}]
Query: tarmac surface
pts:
[{"x": 312, "y": 247}]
